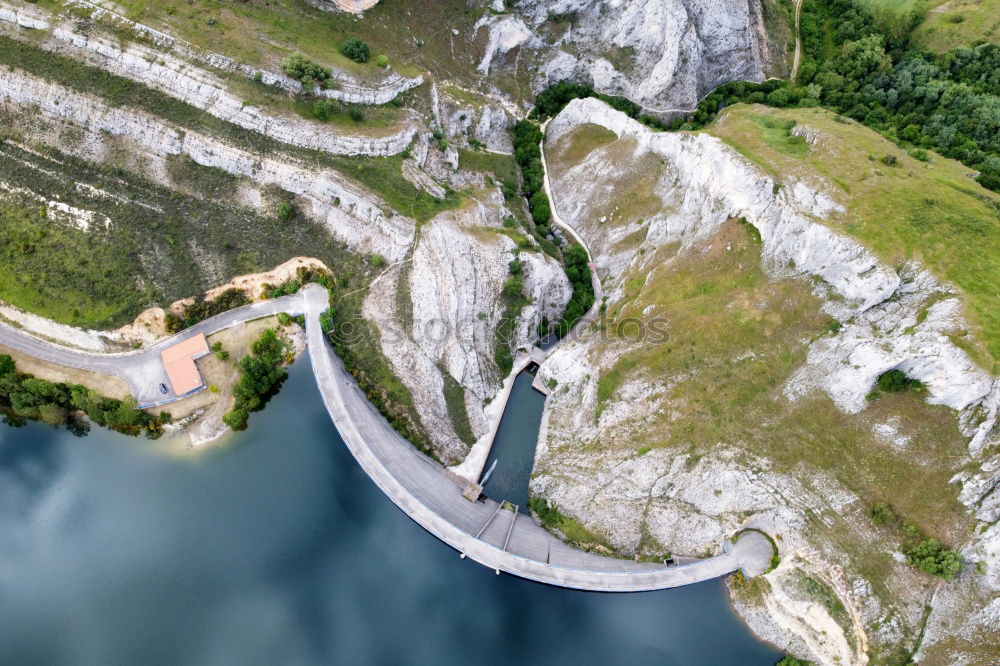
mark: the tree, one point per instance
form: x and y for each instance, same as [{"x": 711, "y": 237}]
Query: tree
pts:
[
  {"x": 236, "y": 419},
  {"x": 356, "y": 49}
]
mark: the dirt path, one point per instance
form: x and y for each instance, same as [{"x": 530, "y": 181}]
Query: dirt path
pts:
[{"x": 798, "y": 41}]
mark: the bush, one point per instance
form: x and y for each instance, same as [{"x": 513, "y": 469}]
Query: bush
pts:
[
  {"x": 919, "y": 154},
  {"x": 356, "y": 49},
  {"x": 895, "y": 381},
  {"x": 932, "y": 558},
  {"x": 357, "y": 113},
  {"x": 303, "y": 69},
  {"x": 382, "y": 60},
  {"x": 202, "y": 309},
  {"x": 882, "y": 514},
  {"x": 236, "y": 419},
  {"x": 286, "y": 211}
]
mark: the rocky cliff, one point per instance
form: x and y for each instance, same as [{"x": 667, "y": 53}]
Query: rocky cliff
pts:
[
  {"x": 650, "y": 462},
  {"x": 663, "y": 54},
  {"x": 439, "y": 313}
]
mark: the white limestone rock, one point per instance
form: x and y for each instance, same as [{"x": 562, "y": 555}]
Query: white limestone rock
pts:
[
  {"x": 663, "y": 54},
  {"x": 439, "y": 312},
  {"x": 352, "y": 214}
]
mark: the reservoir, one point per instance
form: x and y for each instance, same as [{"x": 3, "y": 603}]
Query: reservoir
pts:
[{"x": 275, "y": 548}]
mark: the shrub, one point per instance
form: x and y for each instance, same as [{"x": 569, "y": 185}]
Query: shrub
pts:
[
  {"x": 356, "y": 49},
  {"x": 357, "y": 113},
  {"x": 890, "y": 160},
  {"x": 882, "y": 514},
  {"x": 896, "y": 380},
  {"x": 202, "y": 309},
  {"x": 286, "y": 211},
  {"x": 236, "y": 419},
  {"x": 382, "y": 60},
  {"x": 919, "y": 154},
  {"x": 378, "y": 261},
  {"x": 303, "y": 69},
  {"x": 932, "y": 558}
]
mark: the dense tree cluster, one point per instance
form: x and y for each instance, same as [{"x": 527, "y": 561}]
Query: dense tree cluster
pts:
[
  {"x": 859, "y": 61},
  {"x": 201, "y": 309},
  {"x": 552, "y": 100},
  {"x": 932, "y": 558},
  {"x": 262, "y": 372},
  {"x": 577, "y": 267},
  {"x": 24, "y": 397},
  {"x": 527, "y": 139}
]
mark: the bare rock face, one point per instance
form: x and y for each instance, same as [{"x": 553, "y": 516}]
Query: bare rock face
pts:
[
  {"x": 351, "y": 6},
  {"x": 663, "y": 54},
  {"x": 159, "y": 68},
  {"x": 352, "y": 214},
  {"x": 438, "y": 313},
  {"x": 687, "y": 504}
]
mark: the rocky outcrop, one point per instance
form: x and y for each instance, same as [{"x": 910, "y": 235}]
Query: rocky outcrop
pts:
[
  {"x": 663, "y": 54},
  {"x": 709, "y": 184},
  {"x": 352, "y": 214},
  {"x": 439, "y": 316},
  {"x": 352, "y": 6},
  {"x": 158, "y": 68},
  {"x": 663, "y": 499}
]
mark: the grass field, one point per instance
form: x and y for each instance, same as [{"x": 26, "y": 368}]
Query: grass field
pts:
[
  {"x": 959, "y": 22},
  {"x": 930, "y": 211}
]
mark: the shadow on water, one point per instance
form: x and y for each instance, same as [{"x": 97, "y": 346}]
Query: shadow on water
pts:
[
  {"x": 514, "y": 447},
  {"x": 278, "y": 549}
]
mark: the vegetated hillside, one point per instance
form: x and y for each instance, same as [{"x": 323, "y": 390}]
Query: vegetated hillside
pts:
[
  {"x": 752, "y": 371},
  {"x": 949, "y": 23},
  {"x": 903, "y": 208}
]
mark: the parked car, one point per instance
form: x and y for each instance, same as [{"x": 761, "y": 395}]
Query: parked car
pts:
[{"x": 163, "y": 389}]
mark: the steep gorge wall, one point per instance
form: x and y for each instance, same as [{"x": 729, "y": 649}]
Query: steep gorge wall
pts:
[
  {"x": 662, "y": 54},
  {"x": 587, "y": 464}
]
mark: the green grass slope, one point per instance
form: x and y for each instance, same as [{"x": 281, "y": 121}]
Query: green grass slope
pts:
[{"x": 930, "y": 211}]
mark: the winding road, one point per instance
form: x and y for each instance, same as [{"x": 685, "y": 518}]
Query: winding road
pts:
[{"x": 143, "y": 370}]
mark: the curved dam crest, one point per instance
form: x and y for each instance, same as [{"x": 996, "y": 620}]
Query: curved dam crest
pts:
[{"x": 483, "y": 531}]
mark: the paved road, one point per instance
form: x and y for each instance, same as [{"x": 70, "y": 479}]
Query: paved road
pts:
[
  {"x": 498, "y": 539},
  {"x": 143, "y": 370}
]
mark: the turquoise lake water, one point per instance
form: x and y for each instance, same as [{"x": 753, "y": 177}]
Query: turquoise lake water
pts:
[{"x": 276, "y": 549}]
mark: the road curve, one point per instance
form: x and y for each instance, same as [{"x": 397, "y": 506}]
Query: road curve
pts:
[
  {"x": 483, "y": 531},
  {"x": 497, "y": 538},
  {"x": 142, "y": 369}
]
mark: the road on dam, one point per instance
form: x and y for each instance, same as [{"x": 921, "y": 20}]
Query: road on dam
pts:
[{"x": 484, "y": 530}]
